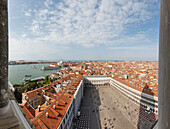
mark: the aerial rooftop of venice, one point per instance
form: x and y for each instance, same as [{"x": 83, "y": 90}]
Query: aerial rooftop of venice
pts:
[{"x": 94, "y": 95}]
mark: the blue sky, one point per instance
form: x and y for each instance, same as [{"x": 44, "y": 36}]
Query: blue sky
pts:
[{"x": 83, "y": 29}]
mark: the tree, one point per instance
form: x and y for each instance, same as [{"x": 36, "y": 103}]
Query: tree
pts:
[
  {"x": 48, "y": 81},
  {"x": 15, "y": 92},
  {"x": 46, "y": 78},
  {"x": 22, "y": 90},
  {"x": 18, "y": 95}
]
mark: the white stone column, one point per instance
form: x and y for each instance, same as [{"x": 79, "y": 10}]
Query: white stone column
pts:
[
  {"x": 164, "y": 67},
  {"x": 4, "y": 101}
]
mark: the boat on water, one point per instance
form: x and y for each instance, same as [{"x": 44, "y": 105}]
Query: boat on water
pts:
[
  {"x": 53, "y": 66},
  {"x": 26, "y": 79},
  {"x": 28, "y": 75}
]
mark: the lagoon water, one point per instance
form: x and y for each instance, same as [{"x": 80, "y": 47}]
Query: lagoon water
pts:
[{"x": 16, "y": 73}]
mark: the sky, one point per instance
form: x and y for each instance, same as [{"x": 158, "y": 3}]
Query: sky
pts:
[{"x": 84, "y": 29}]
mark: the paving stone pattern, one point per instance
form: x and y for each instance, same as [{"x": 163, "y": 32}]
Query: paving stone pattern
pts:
[{"x": 106, "y": 108}]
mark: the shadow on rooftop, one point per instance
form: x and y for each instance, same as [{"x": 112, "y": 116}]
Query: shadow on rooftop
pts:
[{"x": 147, "y": 116}]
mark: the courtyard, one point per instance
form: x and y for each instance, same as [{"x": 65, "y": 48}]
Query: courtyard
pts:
[{"x": 106, "y": 108}]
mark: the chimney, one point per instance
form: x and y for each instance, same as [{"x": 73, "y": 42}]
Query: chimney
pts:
[
  {"x": 39, "y": 108},
  {"x": 27, "y": 105},
  {"x": 54, "y": 106},
  {"x": 57, "y": 103},
  {"x": 47, "y": 114}
]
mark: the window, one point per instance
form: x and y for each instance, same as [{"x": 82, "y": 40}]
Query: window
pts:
[
  {"x": 66, "y": 116},
  {"x": 69, "y": 110}
]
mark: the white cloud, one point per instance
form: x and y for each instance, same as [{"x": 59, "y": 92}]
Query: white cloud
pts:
[
  {"x": 47, "y": 3},
  {"x": 88, "y": 23},
  {"x": 143, "y": 48},
  {"x": 24, "y": 35},
  {"x": 26, "y": 48},
  {"x": 28, "y": 13}
]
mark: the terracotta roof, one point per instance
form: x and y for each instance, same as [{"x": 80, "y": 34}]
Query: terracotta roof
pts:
[
  {"x": 28, "y": 110},
  {"x": 92, "y": 68},
  {"x": 55, "y": 115}
]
